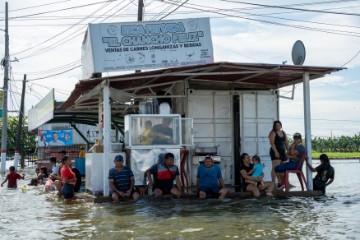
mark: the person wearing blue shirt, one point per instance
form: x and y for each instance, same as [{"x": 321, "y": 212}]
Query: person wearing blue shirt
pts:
[
  {"x": 209, "y": 181},
  {"x": 121, "y": 181}
]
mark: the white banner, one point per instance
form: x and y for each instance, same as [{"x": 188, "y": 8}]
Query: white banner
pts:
[
  {"x": 42, "y": 112},
  {"x": 110, "y": 47}
]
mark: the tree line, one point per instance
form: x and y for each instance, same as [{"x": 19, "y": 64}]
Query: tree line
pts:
[{"x": 336, "y": 144}]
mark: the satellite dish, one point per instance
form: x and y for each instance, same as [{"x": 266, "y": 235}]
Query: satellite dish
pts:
[{"x": 298, "y": 53}]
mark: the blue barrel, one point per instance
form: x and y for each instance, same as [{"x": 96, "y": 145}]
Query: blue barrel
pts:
[{"x": 80, "y": 165}]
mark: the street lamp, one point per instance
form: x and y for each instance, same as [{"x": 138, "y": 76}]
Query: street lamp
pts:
[{"x": 5, "y": 91}]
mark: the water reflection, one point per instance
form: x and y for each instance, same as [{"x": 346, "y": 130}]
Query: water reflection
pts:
[{"x": 34, "y": 215}]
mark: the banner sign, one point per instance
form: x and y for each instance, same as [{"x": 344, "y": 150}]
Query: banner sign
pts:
[
  {"x": 109, "y": 47},
  {"x": 55, "y": 138},
  {"x": 42, "y": 112}
]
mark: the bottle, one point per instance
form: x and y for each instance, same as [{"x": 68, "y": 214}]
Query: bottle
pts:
[
  {"x": 155, "y": 106},
  {"x": 149, "y": 107},
  {"x": 142, "y": 108}
]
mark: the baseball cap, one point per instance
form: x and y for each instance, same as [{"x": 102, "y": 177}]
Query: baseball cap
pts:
[
  {"x": 297, "y": 136},
  {"x": 119, "y": 158},
  {"x": 63, "y": 151},
  {"x": 208, "y": 157}
]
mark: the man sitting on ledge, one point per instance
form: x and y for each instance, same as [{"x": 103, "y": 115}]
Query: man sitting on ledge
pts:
[
  {"x": 164, "y": 175},
  {"x": 209, "y": 181}
]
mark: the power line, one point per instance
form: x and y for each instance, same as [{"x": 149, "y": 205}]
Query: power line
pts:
[
  {"x": 43, "y": 5},
  {"x": 291, "y": 8},
  {"x": 35, "y": 79},
  {"x": 357, "y": 54},
  {"x": 330, "y": 31},
  {"x": 60, "y": 10}
]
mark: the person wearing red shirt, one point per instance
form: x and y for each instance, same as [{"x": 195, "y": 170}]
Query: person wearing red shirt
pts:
[
  {"x": 12, "y": 178},
  {"x": 68, "y": 179}
]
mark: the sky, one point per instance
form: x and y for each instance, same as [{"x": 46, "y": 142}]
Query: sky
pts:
[{"x": 46, "y": 37}]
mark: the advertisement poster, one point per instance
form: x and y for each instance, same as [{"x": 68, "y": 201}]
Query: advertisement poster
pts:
[
  {"x": 55, "y": 138},
  {"x": 128, "y": 46}
]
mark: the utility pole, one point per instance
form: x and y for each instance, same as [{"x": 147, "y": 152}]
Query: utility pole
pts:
[
  {"x": 18, "y": 146},
  {"x": 140, "y": 10},
  {"x": 140, "y": 18},
  {"x": 5, "y": 90}
]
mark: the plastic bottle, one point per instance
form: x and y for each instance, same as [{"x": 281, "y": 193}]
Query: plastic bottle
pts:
[
  {"x": 149, "y": 107},
  {"x": 155, "y": 106}
]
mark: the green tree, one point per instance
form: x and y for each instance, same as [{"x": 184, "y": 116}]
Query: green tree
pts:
[{"x": 27, "y": 140}]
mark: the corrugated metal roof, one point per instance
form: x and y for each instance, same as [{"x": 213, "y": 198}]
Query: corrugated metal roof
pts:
[{"x": 82, "y": 104}]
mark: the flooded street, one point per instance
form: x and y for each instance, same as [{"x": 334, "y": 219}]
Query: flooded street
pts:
[{"x": 35, "y": 215}]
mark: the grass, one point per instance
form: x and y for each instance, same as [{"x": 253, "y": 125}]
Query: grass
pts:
[{"x": 337, "y": 155}]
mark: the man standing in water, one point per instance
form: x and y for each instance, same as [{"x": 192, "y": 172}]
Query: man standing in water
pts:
[{"x": 209, "y": 181}]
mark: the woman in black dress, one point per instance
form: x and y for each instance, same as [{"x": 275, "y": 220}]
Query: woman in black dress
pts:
[{"x": 279, "y": 145}]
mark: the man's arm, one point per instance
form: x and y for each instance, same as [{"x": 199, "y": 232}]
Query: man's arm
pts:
[
  {"x": 221, "y": 182},
  {"x": 4, "y": 181},
  {"x": 150, "y": 181},
  {"x": 132, "y": 184},
  {"x": 178, "y": 183},
  {"x": 113, "y": 187}
]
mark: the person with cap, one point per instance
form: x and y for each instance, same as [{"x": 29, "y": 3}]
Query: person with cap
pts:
[
  {"x": 164, "y": 175},
  {"x": 121, "y": 181},
  {"x": 209, "y": 182},
  {"x": 294, "y": 154}
]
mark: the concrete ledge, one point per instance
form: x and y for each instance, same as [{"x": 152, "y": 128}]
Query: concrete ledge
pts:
[{"x": 87, "y": 197}]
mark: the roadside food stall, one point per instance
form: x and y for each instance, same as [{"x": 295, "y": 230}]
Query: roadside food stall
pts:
[{"x": 231, "y": 106}]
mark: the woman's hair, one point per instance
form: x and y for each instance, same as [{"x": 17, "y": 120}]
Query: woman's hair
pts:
[
  {"x": 64, "y": 158},
  {"x": 274, "y": 125},
  {"x": 242, "y": 157},
  {"x": 325, "y": 159}
]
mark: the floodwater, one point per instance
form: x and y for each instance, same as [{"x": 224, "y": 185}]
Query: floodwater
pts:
[{"x": 36, "y": 215}]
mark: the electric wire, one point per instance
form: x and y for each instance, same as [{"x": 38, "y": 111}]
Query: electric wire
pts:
[
  {"x": 291, "y": 8},
  {"x": 58, "y": 34},
  {"x": 344, "y": 33}
]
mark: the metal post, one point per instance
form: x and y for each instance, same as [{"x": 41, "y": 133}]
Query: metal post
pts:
[
  {"x": 107, "y": 136},
  {"x": 140, "y": 18},
  {"x": 140, "y": 10},
  {"x": 5, "y": 89},
  {"x": 307, "y": 122},
  {"x": 18, "y": 148}
]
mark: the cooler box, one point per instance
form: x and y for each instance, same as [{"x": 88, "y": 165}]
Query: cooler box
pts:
[{"x": 80, "y": 164}]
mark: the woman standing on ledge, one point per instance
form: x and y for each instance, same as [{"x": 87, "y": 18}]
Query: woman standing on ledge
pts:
[{"x": 279, "y": 143}]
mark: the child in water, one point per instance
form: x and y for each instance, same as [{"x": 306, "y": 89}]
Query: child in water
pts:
[
  {"x": 257, "y": 170},
  {"x": 12, "y": 178}
]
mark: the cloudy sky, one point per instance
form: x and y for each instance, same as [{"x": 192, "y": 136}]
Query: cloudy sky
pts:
[{"x": 46, "y": 38}]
